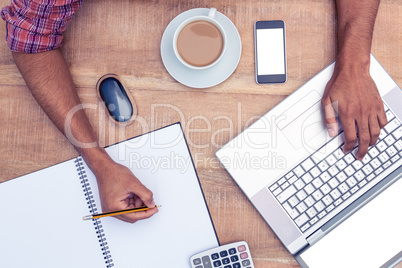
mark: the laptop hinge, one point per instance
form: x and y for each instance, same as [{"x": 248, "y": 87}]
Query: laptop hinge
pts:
[{"x": 314, "y": 237}]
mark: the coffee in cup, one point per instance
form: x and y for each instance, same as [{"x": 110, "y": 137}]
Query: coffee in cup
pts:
[{"x": 199, "y": 42}]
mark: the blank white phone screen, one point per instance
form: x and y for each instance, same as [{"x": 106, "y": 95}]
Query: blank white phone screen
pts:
[{"x": 270, "y": 51}]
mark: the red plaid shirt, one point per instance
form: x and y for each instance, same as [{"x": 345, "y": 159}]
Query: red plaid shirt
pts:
[{"x": 35, "y": 26}]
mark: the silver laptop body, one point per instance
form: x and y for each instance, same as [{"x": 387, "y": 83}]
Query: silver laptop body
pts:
[{"x": 279, "y": 162}]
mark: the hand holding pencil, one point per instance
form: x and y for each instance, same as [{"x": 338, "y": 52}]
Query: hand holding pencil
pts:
[{"x": 120, "y": 189}]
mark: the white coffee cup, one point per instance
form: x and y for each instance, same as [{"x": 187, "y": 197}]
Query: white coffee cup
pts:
[{"x": 211, "y": 19}]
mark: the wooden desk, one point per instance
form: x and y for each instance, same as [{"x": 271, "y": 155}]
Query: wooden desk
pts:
[{"x": 123, "y": 37}]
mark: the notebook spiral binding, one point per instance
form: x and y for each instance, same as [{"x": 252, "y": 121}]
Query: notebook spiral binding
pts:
[{"x": 92, "y": 209}]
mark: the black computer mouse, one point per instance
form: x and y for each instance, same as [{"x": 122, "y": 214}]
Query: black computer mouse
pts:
[{"x": 116, "y": 98}]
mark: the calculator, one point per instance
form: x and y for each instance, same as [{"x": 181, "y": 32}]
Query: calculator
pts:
[{"x": 234, "y": 255}]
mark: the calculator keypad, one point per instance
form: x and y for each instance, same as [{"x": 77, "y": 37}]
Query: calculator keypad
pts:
[{"x": 235, "y": 255}]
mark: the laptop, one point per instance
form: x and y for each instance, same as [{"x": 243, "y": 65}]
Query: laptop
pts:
[{"x": 305, "y": 188}]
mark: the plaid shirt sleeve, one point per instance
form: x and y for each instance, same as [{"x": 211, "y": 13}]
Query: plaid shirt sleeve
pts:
[{"x": 35, "y": 26}]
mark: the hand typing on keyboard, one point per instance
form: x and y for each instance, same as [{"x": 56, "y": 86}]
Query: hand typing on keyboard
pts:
[
  {"x": 351, "y": 92},
  {"x": 357, "y": 102},
  {"x": 329, "y": 179}
]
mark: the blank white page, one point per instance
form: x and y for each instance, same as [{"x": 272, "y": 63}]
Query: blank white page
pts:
[
  {"x": 182, "y": 227},
  {"x": 41, "y": 213},
  {"x": 369, "y": 238},
  {"x": 41, "y": 221}
]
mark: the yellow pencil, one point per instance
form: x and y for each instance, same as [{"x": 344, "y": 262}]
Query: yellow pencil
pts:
[{"x": 117, "y": 212}]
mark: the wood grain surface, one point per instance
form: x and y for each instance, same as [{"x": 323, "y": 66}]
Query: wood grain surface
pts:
[{"x": 124, "y": 36}]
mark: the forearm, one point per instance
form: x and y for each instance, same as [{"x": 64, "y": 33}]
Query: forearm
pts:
[
  {"x": 351, "y": 93},
  {"x": 49, "y": 80},
  {"x": 355, "y": 30}
]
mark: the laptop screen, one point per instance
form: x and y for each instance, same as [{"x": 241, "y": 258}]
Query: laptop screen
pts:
[{"x": 369, "y": 238}]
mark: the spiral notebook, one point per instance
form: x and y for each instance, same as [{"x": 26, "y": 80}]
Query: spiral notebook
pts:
[{"x": 41, "y": 213}]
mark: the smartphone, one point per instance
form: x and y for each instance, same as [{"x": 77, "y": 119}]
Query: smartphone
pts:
[{"x": 270, "y": 51}]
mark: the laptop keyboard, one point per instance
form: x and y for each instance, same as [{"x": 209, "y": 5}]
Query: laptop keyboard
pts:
[{"x": 323, "y": 182}]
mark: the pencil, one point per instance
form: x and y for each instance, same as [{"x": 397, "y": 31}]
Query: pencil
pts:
[{"x": 117, "y": 212}]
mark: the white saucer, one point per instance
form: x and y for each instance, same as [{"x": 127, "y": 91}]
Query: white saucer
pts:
[{"x": 201, "y": 78}]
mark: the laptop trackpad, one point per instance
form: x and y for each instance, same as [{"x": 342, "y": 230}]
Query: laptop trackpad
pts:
[
  {"x": 369, "y": 238},
  {"x": 302, "y": 124}
]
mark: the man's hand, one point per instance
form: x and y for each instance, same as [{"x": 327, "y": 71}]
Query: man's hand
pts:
[
  {"x": 351, "y": 92},
  {"x": 353, "y": 95},
  {"x": 50, "y": 82},
  {"x": 119, "y": 189}
]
